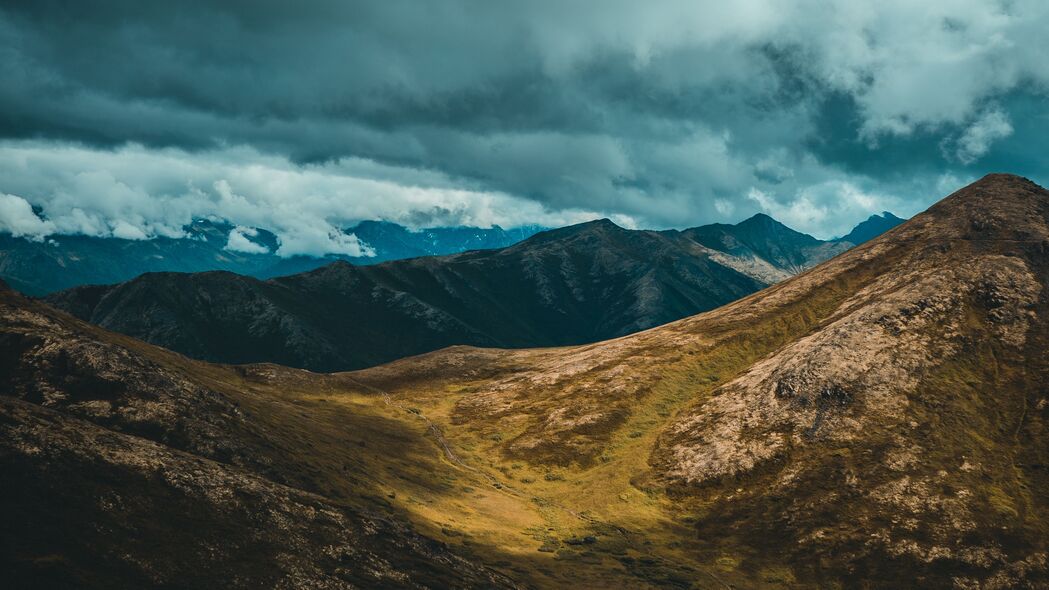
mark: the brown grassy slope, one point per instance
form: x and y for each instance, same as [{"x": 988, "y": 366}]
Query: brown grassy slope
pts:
[
  {"x": 878, "y": 418},
  {"x": 129, "y": 466}
]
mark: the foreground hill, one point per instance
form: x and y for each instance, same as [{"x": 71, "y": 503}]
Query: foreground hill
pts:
[
  {"x": 878, "y": 421},
  {"x": 125, "y": 466},
  {"x": 62, "y": 262},
  {"x": 577, "y": 284}
]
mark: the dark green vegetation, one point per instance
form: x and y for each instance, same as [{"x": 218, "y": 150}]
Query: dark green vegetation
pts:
[
  {"x": 573, "y": 285},
  {"x": 62, "y": 262},
  {"x": 878, "y": 421}
]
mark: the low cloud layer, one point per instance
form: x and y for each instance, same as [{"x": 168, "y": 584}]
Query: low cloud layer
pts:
[
  {"x": 18, "y": 219},
  {"x": 661, "y": 114},
  {"x": 240, "y": 241},
  {"x": 139, "y": 193}
]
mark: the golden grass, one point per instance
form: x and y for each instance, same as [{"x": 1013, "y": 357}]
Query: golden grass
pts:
[{"x": 608, "y": 523}]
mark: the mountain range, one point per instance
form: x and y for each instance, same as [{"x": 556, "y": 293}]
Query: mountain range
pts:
[
  {"x": 573, "y": 285},
  {"x": 877, "y": 421},
  {"x": 65, "y": 261}
]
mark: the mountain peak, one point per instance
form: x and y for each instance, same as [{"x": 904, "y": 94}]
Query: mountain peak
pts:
[
  {"x": 759, "y": 218},
  {"x": 375, "y": 223},
  {"x": 764, "y": 226},
  {"x": 885, "y": 215},
  {"x": 872, "y": 227},
  {"x": 763, "y": 222},
  {"x": 595, "y": 223},
  {"x": 997, "y": 207},
  {"x": 996, "y": 193},
  {"x": 594, "y": 227},
  {"x": 994, "y": 190},
  {"x": 603, "y": 226},
  {"x": 1004, "y": 179}
]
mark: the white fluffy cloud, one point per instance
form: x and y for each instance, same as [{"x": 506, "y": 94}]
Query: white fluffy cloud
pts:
[
  {"x": 660, "y": 114},
  {"x": 813, "y": 209},
  {"x": 989, "y": 127},
  {"x": 138, "y": 193},
  {"x": 913, "y": 64},
  {"x": 18, "y": 219},
  {"x": 240, "y": 241}
]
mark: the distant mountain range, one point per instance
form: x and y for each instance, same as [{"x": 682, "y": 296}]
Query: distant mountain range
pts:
[
  {"x": 61, "y": 262},
  {"x": 572, "y": 285},
  {"x": 874, "y": 226}
]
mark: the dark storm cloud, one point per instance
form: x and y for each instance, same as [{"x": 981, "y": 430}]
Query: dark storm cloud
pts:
[{"x": 665, "y": 113}]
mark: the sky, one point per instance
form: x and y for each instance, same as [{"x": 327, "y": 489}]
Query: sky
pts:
[{"x": 130, "y": 119}]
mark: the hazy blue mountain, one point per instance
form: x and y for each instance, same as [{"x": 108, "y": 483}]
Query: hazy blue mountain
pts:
[
  {"x": 62, "y": 262},
  {"x": 874, "y": 226}
]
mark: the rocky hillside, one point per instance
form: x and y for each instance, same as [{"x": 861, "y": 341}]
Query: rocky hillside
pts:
[
  {"x": 879, "y": 421},
  {"x": 765, "y": 248},
  {"x": 573, "y": 285},
  {"x": 126, "y": 466}
]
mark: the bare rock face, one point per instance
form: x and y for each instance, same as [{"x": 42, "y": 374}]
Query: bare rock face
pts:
[
  {"x": 903, "y": 401},
  {"x": 860, "y": 369},
  {"x": 52, "y": 362}
]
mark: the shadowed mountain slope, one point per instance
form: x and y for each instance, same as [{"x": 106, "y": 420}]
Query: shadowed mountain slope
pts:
[
  {"x": 761, "y": 237},
  {"x": 572, "y": 285},
  {"x": 128, "y": 466}
]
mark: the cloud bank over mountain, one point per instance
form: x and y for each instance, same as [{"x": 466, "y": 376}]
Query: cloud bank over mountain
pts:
[
  {"x": 667, "y": 114},
  {"x": 137, "y": 193}
]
